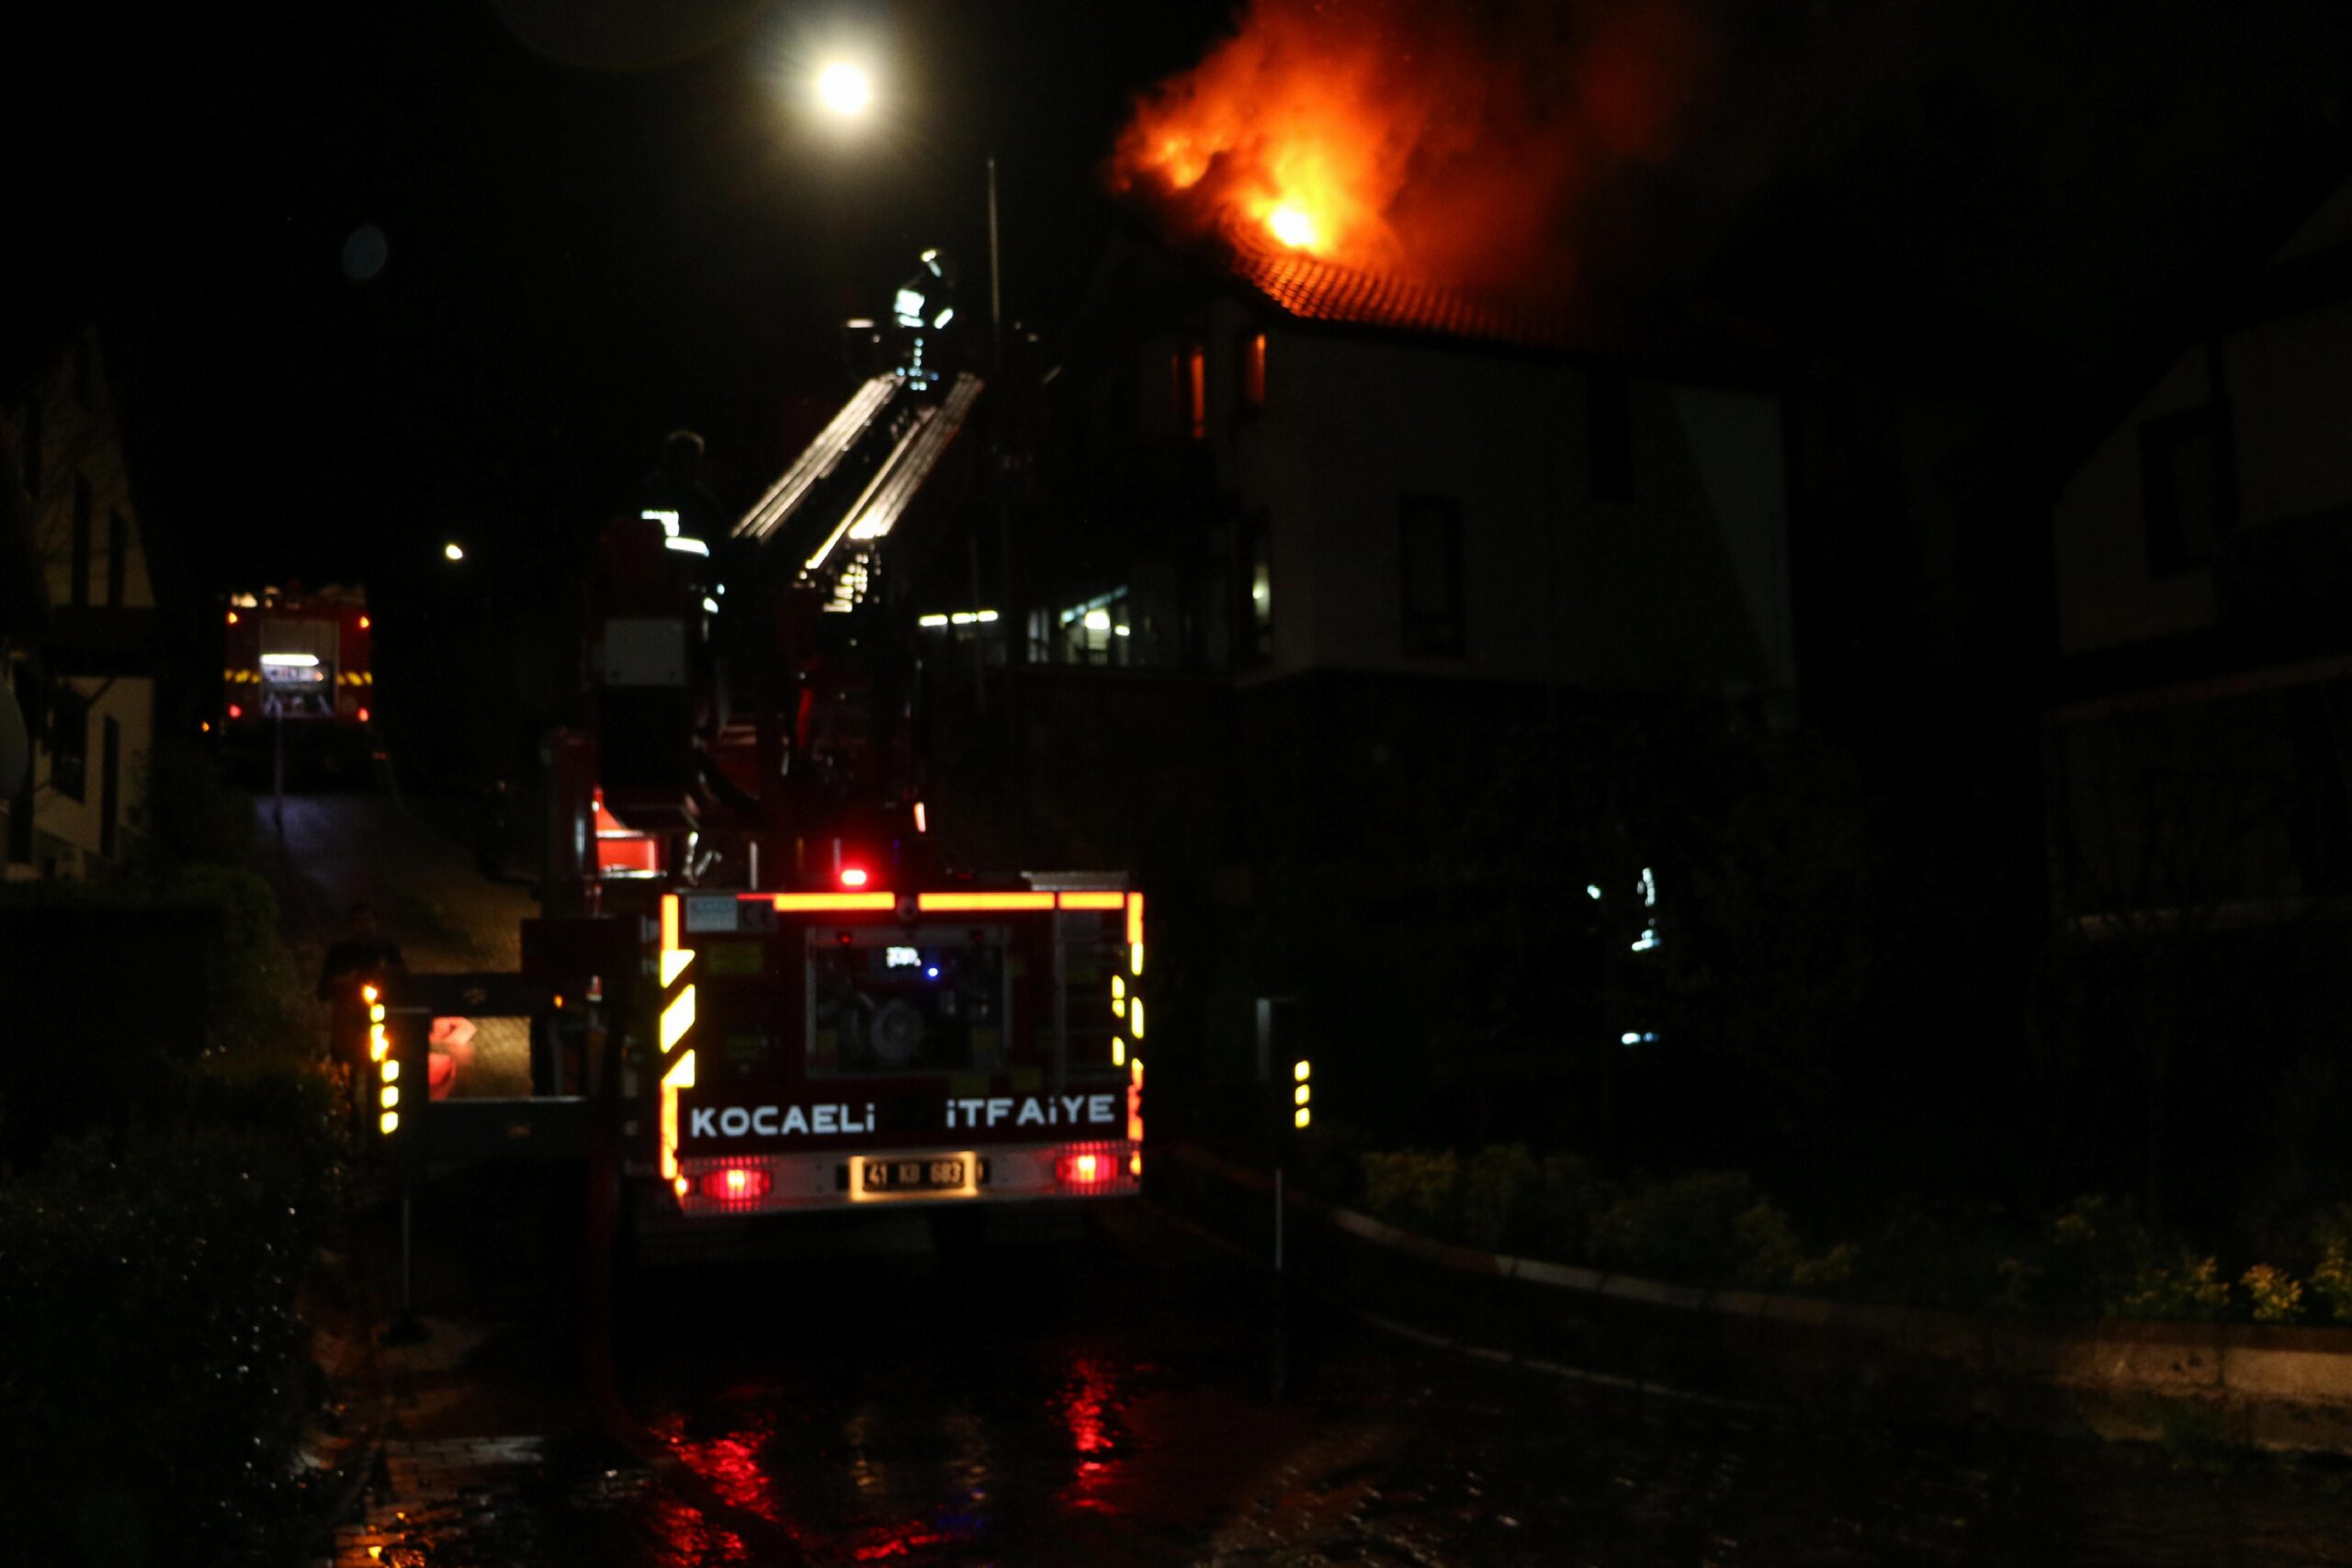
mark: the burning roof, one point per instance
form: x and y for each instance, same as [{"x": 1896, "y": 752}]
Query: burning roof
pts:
[
  {"x": 1405, "y": 160},
  {"x": 1315, "y": 290}
]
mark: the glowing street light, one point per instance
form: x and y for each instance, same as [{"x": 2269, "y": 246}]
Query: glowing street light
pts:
[
  {"x": 844, "y": 89},
  {"x": 451, "y": 552}
]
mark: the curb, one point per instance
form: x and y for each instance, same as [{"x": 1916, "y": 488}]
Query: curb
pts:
[{"x": 2288, "y": 1388}]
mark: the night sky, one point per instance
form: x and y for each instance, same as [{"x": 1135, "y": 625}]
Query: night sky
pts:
[
  {"x": 589, "y": 238},
  {"x": 596, "y": 231}
]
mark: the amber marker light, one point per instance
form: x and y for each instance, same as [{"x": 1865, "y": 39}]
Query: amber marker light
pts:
[
  {"x": 959, "y": 903},
  {"x": 830, "y": 903}
]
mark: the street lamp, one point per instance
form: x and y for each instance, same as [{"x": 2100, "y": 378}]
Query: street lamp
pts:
[
  {"x": 453, "y": 551},
  {"x": 844, "y": 90}
]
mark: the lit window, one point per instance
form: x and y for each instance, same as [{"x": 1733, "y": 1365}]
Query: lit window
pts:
[
  {"x": 1258, "y": 583},
  {"x": 1252, "y": 379},
  {"x": 1096, "y": 631},
  {"x": 1191, "y": 366}
]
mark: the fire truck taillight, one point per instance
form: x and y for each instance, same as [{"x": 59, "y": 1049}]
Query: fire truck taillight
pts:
[
  {"x": 236, "y": 712},
  {"x": 1081, "y": 1170},
  {"x": 852, "y": 877},
  {"x": 737, "y": 1183},
  {"x": 363, "y": 716}
]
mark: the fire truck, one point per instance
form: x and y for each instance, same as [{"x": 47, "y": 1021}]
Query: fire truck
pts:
[
  {"x": 802, "y": 1006},
  {"x": 296, "y": 673}
]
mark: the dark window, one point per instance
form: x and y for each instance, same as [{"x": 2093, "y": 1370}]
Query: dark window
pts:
[
  {"x": 1191, "y": 389},
  {"x": 117, "y": 557},
  {"x": 20, "y": 810},
  {"x": 1250, "y": 380},
  {"x": 1429, "y": 558},
  {"x": 33, "y": 457},
  {"x": 109, "y": 785},
  {"x": 83, "y": 504},
  {"x": 69, "y": 742},
  {"x": 1257, "y": 557},
  {"x": 1608, "y": 435},
  {"x": 2185, "y": 489}
]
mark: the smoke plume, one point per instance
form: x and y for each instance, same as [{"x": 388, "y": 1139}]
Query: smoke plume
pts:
[{"x": 1445, "y": 140}]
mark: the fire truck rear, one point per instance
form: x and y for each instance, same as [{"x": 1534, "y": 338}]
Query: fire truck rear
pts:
[
  {"x": 296, "y": 671},
  {"x": 943, "y": 1044},
  {"x": 820, "y": 1014}
]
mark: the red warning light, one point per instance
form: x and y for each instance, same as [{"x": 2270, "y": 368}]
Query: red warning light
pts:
[
  {"x": 236, "y": 712},
  {"x": 1081, "y": 1170},
  {"x": 852, "y": 877},
  {"x": 363, "y": 716},
  {"x": 737, "y": 1183}
]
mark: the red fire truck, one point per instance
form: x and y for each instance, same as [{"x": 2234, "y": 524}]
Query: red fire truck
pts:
[
  {"x": 806, "y": 1008},
  {"x": 296, "y": 669}
]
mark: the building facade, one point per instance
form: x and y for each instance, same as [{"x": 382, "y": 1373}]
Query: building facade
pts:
[
  {"x": 1321, "y": 573},
  {"x": 78, "y": 621}
]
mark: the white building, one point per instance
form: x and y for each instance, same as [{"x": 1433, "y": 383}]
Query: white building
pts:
[
  {"x": 77, "y": 619},
  {"x": 1399, "y": 481}
]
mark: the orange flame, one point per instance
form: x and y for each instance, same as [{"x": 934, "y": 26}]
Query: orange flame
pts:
[{"x": 1407, "y": 138}]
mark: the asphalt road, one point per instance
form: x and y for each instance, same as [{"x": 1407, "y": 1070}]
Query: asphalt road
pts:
[{"x": 1114, "y": 1402}]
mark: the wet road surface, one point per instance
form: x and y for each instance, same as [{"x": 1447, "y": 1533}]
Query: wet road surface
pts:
[{"x": 1111, "y": 1403}]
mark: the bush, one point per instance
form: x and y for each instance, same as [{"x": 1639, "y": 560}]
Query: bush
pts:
[
  {"x": 1684, "y": 1229},
  {"x": 2188, "y": 1289},
  {"x": 2091, "y": 1258},
  {"x": 154, "y": 1357},
  {"x": 1568, "y": 1199},
  {"x": 1500, "y": 1195},
  {"x": 192, "y": 817},
  {"x": 1413, "y": 1189},
  {"x": 2275, "y": 1295},
  {"x": 1764, "y": 1245},
  {"x": 2332, "y": 1277}
]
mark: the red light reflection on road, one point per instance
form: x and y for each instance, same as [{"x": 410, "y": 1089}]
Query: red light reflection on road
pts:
[
  {"x": 689, "y": 1541},
  {"x": 1090, "y": 1408},
  {"x": 730, "y": 1464},
  {"x": 898, "y": 1544}
]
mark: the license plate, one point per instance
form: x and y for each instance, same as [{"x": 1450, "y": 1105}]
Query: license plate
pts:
[{"x": 918, "y": 1174}]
